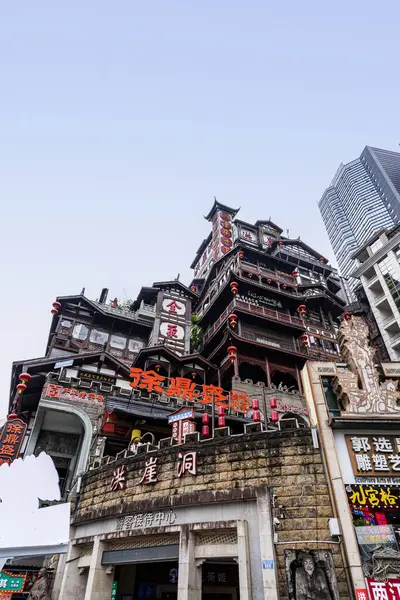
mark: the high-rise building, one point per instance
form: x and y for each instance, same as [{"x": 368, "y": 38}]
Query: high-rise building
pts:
[{"x": 363, "y": 197}]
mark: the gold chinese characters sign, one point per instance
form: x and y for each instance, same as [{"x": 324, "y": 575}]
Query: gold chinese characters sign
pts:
[
  {"x": 373, "y": 496},
  {"x": 374, "y": 455}
]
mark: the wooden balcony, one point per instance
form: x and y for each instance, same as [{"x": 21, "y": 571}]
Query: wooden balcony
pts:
[
  {"x": 293, "y": 347},
  {"x": 268, "y": 313}
]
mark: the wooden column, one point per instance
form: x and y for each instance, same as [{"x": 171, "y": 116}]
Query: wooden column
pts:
[
  {"x": 268, "y": 372},
  {"x": 299, "y": 380}
]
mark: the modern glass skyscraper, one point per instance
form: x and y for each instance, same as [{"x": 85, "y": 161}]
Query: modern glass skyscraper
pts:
[{"x": 363, "y": 198}]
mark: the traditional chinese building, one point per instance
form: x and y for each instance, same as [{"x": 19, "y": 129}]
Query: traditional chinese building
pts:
[
  {"x": 157, "y": 397},
  {"x": 355, "y": 405}
]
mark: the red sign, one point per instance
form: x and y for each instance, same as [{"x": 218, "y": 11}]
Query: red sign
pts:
[
  {"x": 59, "y": 392},
  {"x": 384, "y": 590},
  {"x": 184, "y": 388},
  {"x": 361, "y": 594},
  {"x": 11, "y": 438}
]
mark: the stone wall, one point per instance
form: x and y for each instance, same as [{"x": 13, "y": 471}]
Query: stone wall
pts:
[{"x": 230, "y": 468}]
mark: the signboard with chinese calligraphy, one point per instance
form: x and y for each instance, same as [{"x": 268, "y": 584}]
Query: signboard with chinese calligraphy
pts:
[
  {"x": 10, "y": 582},
  {"x": 374, "y": 455},
  {"x": 99, "y": 377},
  {"x": 361, "y": 594},
  {"x": 373, "y": 496},
  {"x": 383, "y": 590},
  {"x": 11, "y": 438},
  {"x": 150, "y": 519},
  {"x": 59, "y": 392},
  {"x": 182, "y": 387}
]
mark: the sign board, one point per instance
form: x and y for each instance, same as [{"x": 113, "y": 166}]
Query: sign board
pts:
[
  {"x": 114, "y": 590},
  {"x": 267, "y": 564},
  {"x": 98, "y": 377},
  {"x": 374, "y": 455},
  {"x": 375, "y": 534},
  {"x": 361, "y": 594},
  {"x": 11, "y": 438},
  {"x": 64, "y": 363},
  {"x": 10, "y": 582},
  {"x": 383, "y": 590},
  {"x": 373, "y": 496}
]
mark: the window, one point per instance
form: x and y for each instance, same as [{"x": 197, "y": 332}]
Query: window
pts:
[
  {"x": 118, "y": 341},
  {"x": 389, "y": 272},
  {"x": 98, "y": 337},
  {"x": 376, "y": 245},
  {"x": 80, "y": 332},
  {"x": 135, "y": 345}
]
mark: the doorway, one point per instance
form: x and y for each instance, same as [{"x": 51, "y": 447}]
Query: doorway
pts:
[{"x": 220, "y": 581}]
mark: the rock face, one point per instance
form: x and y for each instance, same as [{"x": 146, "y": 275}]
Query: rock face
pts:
[{"x": 229, "y": 469}]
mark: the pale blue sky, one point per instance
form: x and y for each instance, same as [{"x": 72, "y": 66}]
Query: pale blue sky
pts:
[{"x": 121, "y": 120}]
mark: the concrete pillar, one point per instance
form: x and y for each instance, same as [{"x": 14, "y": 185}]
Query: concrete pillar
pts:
[
  {"x": 73, "y": 585},
  {"x": 267, "y": 547},
  {"x": 99, "y": 584},
  {"x": 243, "y": 561},
  {"x": 189, "y": 574}
]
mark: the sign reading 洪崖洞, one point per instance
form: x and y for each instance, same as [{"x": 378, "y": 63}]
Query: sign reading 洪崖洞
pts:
[
  {"x": 182, "y": 387},
  {"x": 382, "y": 590},
  {"x": 373, "y": 496},
  {"x": 140, "y": 520},
  {"x": 10, "y": 582},
  {"x": 186, "y": 463},
  {"x": 374, "y": 455},
  {"x": 11, "y": 438},
  {"x": 59, "y": 392},
  {"x": 182, "y": 423}
]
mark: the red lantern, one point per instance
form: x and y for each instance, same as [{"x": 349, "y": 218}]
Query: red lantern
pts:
[
  {"x": 322, "y": 260},
  {"x": 347, "y": 316},
  {"x": 269, "y": 281},
  {"x": 302, "y": 310},
  {"x": 205, "y": 419},
  {"x": 221, "y": 416},
  {"x": 280, "y": 244},
  {"x": 284, "y": 286},
  {"x": 250, "y": 275},
  {"x": 194, "y": 289},
  {"x": 54, "y": 312},
  {"x": 256, "y": 416},
  {"x": 12, "y": 416},
  {"x": 25, "y": 377},
  {"x": 241, "y": 254},
  {"x": 255, "y": 404},
  {"x": 304, "y": 339},
  {"x": 234, "y": 287},
  {"x": 157, "y": 368},
  {"x": 194, "y": 374},
  {"x": 274, "y": 416},
  {"x": 295, "y": 274},
  {"x": 232, "y": 353},
  {"x": 21, "y": 387},
  {"x": 273, "y": 402},
  {"x": 205, "y": 431},
  {"x": 57, "y": 305},
  {"x": 232, "y": 320}
]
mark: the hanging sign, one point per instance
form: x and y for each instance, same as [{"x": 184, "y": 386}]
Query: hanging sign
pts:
[
  {"x": 384, "y": 590},
  {"x": 374, "y": 455},
  {"x": 11, "y": 438}
]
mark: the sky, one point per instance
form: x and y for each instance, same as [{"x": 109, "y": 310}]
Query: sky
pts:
[{"x": 120, "y": 121}]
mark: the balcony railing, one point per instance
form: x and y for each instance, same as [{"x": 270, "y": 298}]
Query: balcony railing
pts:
[
  {"x": 274, "y": 315},
  {"x": 294, "y": 346}
]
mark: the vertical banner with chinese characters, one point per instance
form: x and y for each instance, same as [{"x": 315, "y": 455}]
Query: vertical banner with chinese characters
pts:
[
  {"x": 174, "y": 319},
  {"x": 11, "y": 438},
  {"x": 222, "y": 239},
  {"x": 374, "y": 455}
]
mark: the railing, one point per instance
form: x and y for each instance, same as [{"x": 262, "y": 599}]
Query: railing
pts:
[
  {"x": 274, "y": 315},
  {"x": 123, "y": 312},
  {"x": 262, "y": 338}
]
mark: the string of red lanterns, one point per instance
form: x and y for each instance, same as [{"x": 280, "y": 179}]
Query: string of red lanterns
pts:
[
  {"x": 234, "y": 287},
  {"x": 56, "y": 308},
  {"x": 221, "y": 416},
  {"x": 304, "y": 340},
  {"x": 256, "y": 412},
  {"x": 24, "y": 379},
  {"x": 233, "y": 320},
  {"x": 232, "y": 353},
  {"x": 205, "y": 429},
  {"x": 273, "y": 403},
  {"x": 302, "y": 310}
]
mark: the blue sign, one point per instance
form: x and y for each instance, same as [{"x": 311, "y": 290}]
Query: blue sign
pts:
[{"x": 267, "y": 564}]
